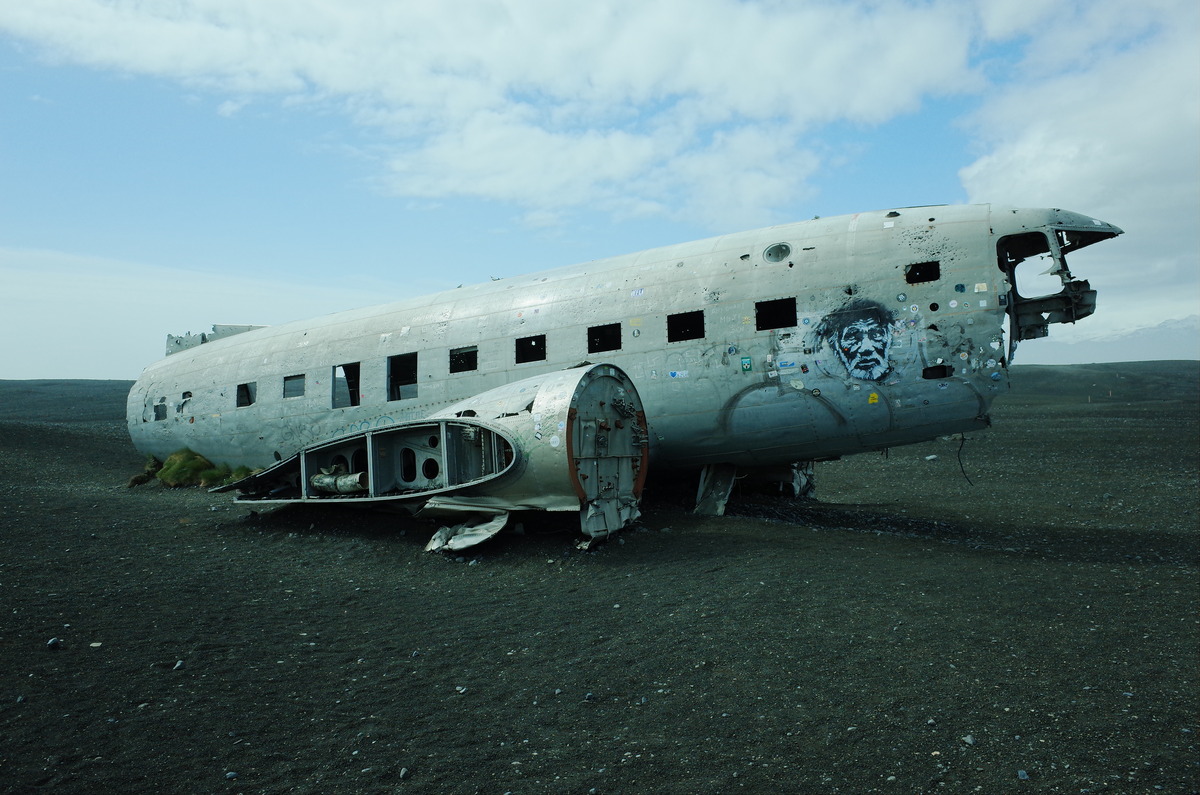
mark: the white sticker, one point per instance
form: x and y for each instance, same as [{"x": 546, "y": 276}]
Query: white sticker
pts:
[{"x": 554, "y": 441}]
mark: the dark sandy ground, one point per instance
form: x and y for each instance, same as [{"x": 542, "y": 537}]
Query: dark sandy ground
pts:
[{"x": 910, "y": 632}]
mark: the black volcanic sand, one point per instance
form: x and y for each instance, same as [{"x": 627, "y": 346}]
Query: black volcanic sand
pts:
[{"x": 910, "y": 632}]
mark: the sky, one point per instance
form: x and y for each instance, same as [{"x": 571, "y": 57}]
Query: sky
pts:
[{"x": 170, "y": 164}]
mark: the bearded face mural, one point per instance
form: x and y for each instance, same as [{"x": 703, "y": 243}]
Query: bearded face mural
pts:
[{"x": 861, "y": 335}]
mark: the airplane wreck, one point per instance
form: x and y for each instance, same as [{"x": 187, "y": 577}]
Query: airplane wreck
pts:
[{"x": 747, "y": 355}]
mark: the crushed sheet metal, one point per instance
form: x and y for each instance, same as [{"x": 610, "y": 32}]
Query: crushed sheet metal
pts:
[{"x": 478, "y": 527}]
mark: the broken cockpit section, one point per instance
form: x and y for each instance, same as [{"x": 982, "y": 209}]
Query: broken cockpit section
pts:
[
  {"x": 573, "y": 440},
  {"x": 1043, "y": 252}
]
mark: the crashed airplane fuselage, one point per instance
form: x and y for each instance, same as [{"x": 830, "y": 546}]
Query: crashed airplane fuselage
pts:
[{"x": 757, "y": 352}]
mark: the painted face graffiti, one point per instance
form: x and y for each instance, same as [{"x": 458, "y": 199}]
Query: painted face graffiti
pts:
[
  {"x": 863, "y": 348},
  {"x": 861, "y": 334}
]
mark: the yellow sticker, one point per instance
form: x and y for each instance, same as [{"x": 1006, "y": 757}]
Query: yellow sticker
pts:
[{"x": 874, "y": 398}]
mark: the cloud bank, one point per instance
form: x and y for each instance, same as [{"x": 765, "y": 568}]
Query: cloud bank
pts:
[
  {"x": 697, "y": 108},
  {"x": 630, "y": 107},
  {"x": 719, "y": 113}
]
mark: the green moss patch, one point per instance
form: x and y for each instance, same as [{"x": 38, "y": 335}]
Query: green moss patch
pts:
[{"x": 184, "y": 468}]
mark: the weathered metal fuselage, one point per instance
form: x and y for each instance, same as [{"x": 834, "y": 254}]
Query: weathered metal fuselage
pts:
[{"x": 805, "y": 341}]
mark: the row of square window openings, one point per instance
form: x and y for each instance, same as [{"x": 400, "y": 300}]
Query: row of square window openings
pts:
[{"x": 402, "y": 368}]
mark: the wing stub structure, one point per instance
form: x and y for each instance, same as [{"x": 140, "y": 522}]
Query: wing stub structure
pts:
[{"x": 570, "y": 440}]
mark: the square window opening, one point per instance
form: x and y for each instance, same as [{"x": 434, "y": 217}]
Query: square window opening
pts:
[
  {"x": 247, "y": 393},
  {"x": 685, "y": 326},
  {"x": 346, "y": 385},
  {"x": 293, "y": 386},
  {"x": 531, "y": 349},
  {"x": 780, "y": 313},
  {"x": 922, "y": 272},
  {"x": 937, "y": 371},
  {"x": 402, "y": 376},
  {"x": 604, "y": 338},
  {"x": 463, "y": 360}
]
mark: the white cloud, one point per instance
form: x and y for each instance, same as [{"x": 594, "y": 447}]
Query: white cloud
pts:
[
  {"x": 707, "y": 111},
  {"x": 230, "y": 108},
  {"x": 1114, "y": 136},
  {"x": 1006, "y": 19},
  {"x": 544, "y": 104}
]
